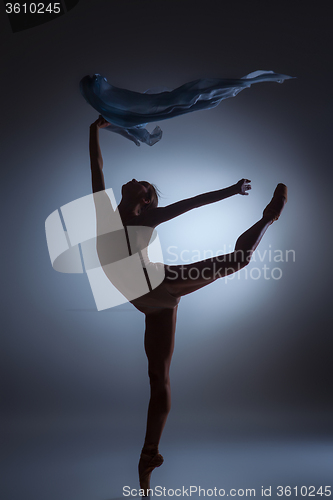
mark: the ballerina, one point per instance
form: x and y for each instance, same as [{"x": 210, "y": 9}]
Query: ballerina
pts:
[
  {"x": 129, "y": 112},
  {"x": 139, "y": 209}
]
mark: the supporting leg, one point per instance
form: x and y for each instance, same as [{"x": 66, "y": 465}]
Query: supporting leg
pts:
[{"x": 159, "y": 345}]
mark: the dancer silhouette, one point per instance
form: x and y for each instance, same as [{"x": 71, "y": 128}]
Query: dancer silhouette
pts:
[{"x": 138, "y": 208}]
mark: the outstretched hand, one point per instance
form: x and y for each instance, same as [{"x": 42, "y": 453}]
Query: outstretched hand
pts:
[
  {"x": 101, "y": 122},
  {"x": 242, "y": 186}
]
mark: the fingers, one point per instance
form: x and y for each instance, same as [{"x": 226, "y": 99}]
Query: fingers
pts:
[
  {"x": 244, "y": 186},
  {"x": 101, "y": 122}
]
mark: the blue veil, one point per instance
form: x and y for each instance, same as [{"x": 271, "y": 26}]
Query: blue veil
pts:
[{"x": 129, "y": 112}]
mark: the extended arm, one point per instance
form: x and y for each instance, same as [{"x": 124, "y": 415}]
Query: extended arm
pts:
[
  {"x": 96, "y": 159},
  {"x": 159, "y": 215}
]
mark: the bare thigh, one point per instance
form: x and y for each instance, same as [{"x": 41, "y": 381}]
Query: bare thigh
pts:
[
  {"x": 184, "y": 279},
  {"x": 160, "y": 340}
]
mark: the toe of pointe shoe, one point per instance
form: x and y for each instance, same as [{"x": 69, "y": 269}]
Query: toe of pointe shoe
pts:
[
  {"x": 275, "y": 206},
  {"x": 281, "y": 190},
  {"x": 147, "y": 464}
]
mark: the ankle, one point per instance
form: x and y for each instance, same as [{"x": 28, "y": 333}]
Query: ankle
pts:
[
  {"x": 150, "y": 449},
  {"x": 268, "y": 218}
]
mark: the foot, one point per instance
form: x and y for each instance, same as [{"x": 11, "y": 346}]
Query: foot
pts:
[
  {"x": 147, "y": 464},
  {"x": 275, "y": 206}
]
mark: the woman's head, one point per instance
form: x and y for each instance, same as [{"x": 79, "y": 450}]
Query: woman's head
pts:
[
  {"x": 141, "y": 192},
  {"x": 152, "y": 195}
]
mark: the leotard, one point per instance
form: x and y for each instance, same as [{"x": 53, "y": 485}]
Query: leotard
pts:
[{"x": 123, "y": 256}]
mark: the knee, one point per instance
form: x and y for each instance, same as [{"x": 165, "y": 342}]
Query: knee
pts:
[
  {"x": 160, "y": 391},
  {"x": 242, "y": 258},
  {"x": 159, "y": 378}
]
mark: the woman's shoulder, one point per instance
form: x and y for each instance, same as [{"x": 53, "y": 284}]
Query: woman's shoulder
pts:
[{"x": 138, "y": 220}]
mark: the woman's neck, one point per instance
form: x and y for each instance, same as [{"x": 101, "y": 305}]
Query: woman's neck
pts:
[{"x": 127, "y": 211}]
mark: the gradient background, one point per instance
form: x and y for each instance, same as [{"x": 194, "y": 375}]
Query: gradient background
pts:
[{"x": 251, "y": 374}]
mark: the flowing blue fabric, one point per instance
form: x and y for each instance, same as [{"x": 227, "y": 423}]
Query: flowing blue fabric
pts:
[{"x": 129, "y": 112}]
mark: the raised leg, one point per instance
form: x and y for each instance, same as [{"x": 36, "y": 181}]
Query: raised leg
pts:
[
  {"x": 159, "y": 345},
  {"x": 182, "y": 280}
]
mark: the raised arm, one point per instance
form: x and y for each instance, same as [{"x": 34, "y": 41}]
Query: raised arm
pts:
[
  {"x": 96, "y": 159},
  {"x": 155, "y": 217}
]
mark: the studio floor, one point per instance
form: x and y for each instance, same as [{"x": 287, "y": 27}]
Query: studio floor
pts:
[{"x": 76, "y": 461}]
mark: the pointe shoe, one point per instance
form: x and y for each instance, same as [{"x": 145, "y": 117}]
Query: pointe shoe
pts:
[
  {"x": 275, "y": 206},
  {"x": 146, "y": 466}
]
